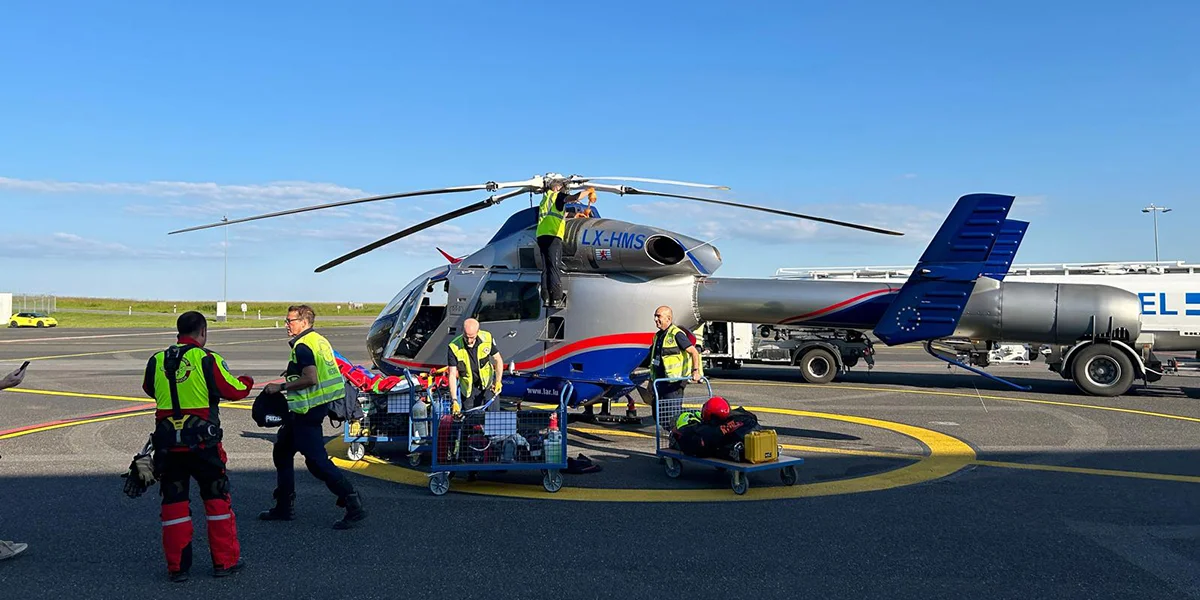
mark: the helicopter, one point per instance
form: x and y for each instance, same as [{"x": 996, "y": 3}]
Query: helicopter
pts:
[{"x": 617, "y": 273}]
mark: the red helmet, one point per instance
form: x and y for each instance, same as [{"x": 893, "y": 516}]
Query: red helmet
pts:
[{"x": 715, "y": 408}]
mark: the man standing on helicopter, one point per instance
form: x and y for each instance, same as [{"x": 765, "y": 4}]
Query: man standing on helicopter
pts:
[{"x": 550, "y": 228}]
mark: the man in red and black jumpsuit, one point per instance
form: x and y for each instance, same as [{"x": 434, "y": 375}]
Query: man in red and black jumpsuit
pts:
[{"x": 186, "y": 406}]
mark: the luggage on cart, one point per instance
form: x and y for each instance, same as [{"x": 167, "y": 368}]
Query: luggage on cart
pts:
[
  {"x": 760, "y": 446},
  {"x": 719, "y": 442}
]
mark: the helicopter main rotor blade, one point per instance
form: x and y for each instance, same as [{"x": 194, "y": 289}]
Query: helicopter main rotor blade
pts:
[
  {"x": 632, "y": 191},
  {"x": 490, "y": 186},
  {"x": 454, "y": 214},
  {"x": 648, "y": 180}
]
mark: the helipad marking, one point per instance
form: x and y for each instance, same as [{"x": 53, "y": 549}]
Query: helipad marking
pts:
[
  {"x": 972, "y": 396},
  {"x": 814, "y": 449},
  {"x": 946, "y": 456},
  {"x": 1087, "y": 471}
]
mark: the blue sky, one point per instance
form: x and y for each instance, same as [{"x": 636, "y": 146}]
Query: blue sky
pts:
[{"x": 124, "y": 121}]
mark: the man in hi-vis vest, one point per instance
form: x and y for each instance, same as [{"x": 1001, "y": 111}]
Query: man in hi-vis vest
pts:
[
  {"x": 475, "y": 366},
  {"x": 550, "y": 228},
  {"x": 672, "y": 355},
  {"x": 313, "y": 381}
]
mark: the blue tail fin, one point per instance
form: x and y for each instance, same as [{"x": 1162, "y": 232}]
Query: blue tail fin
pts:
[
  {"x": 932, "y": 300},
  {"x": 1005, "y": 249}
]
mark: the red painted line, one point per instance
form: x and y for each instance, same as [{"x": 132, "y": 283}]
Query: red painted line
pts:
[
  {"x": 73, "y": 419},
  {"x": 834, "y": 307}
]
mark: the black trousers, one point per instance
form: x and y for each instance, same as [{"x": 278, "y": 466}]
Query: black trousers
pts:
[
  {"x": 206, "y": 466},
  {"x": 304, "y": 434},
  {"x": 551, "y": 250}
]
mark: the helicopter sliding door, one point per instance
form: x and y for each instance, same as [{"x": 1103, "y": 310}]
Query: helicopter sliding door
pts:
[{"x": 419, "y": 317}]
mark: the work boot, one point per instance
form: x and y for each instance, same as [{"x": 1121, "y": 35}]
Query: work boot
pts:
[
  {"x": 11, "y": 549},
  {"x": 284, "y": 509},
  {"x": 225, "y": 572},
  {"x": 354, "y": 512}
]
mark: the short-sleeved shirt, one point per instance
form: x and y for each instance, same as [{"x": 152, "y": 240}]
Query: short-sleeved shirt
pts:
[
  {"x": 451, "y": 359},
  {"x": 304, "y": 357},
  {"x": 681, "y": 339}
]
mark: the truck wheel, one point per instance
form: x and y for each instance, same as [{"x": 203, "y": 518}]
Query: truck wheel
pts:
[
  {"x": 818, "y": 366},
  {"x": 1102, "y": 370}
]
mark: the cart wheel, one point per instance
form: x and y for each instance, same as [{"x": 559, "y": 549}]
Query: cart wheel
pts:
[
  {"x": 788, "y": 475},
  {"x": 414, "y": 459},
  {"x": 739, "y": 482},
  {"x": 356, "y": 451},
  {"x": 674, "y": 468},
  {"x": 439, "y": 484},
  {"x": 552, "y": 481}
]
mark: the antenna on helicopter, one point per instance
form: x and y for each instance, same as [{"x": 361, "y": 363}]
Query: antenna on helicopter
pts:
[{"x": 535, "y": 184}]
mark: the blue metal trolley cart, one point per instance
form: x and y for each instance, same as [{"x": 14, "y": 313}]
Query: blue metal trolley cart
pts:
[
  {"x": 386, "y": 418},
  {"x": 486, "y": 439},
  {"x": 667, "y": 410}
]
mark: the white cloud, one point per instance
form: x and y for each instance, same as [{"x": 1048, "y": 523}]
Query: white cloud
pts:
[
  {"x": 72, "y": 246},
  {"x": 909, "y": 176},
  {"x": 206, "y": 199}
]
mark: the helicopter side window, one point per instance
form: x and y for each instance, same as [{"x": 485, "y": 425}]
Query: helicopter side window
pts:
[{"x": 508, "y": 301}]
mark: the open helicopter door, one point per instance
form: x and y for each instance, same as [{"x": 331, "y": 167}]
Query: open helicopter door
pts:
[{"x": 421, "y": 314}]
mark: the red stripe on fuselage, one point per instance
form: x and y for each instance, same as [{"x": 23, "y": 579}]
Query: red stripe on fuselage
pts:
[
  {"x": 842, "y": 304},
  {"x": 616, "y": 339}
]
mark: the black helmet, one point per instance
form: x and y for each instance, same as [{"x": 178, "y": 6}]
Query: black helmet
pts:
[{"x": 270, "y": 410}]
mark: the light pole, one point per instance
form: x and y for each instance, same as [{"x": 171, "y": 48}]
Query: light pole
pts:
[
  {"x": 1154, "y": 210},
  {"x": 225, "y": 273}
]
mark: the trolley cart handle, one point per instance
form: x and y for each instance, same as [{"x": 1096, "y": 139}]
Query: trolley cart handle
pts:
[
  {"x": 654, "y": 384},
  {"x": 568, "y": 389}
]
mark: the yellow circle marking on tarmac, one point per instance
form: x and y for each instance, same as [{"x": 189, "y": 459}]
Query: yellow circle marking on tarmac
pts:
[
  {"x": 964, "y": 395},
  {"x": 947, "y": 455}
]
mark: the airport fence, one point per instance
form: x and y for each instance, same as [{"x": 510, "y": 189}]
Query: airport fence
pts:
[{"x": 45, "y": 303}]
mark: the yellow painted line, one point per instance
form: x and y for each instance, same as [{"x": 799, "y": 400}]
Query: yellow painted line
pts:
[
  {"x": 74, "y": 423},
  {"x": 1085, "y": 471},
  {"x": 965, "y": 395},
  {"x": 78, "y": 395},
  {"x": 947, "y": 455},
  {"x": 849, "y": 452},
  {"x": 612, "y": 432},
  {"x": 154, "y": 349}
]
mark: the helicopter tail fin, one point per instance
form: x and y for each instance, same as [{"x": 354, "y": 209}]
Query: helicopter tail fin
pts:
[
  {"x": 931, "y": 302},
  {"x": 453, "y": 261}
]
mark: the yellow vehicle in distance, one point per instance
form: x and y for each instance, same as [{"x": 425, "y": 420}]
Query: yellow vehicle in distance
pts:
[{"x": 32, "y": 319}]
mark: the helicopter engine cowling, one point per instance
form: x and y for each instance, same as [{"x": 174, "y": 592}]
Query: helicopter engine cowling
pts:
[{"x": 611, "y": 246}]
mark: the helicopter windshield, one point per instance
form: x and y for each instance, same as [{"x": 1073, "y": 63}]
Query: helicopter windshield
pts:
[{"x": 420, "y": 313}]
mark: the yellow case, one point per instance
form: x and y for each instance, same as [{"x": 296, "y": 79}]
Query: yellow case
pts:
[{"x": 761, "y": 446}]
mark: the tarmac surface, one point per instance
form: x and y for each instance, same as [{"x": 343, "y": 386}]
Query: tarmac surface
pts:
[{"x": 917, "y": 483}]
